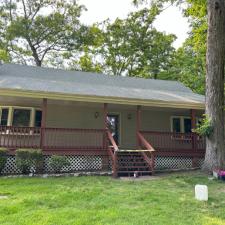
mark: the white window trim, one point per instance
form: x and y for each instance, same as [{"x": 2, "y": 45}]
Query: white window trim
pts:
[
  {"x": 181, "y": 122},
  {"x": 11, "y": 110}
]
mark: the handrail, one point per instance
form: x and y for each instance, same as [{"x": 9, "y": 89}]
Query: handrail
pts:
[
  {"x": 113, "y": 154},
  {"x": 145, "y": 142},
  {"x": 151, "y": 150},
  {"x": 112, "y": 141}
]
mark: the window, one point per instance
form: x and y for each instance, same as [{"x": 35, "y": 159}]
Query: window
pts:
[
  {"x": 176, "y": 127},
  {"x": 21, "y": 117},
  {"x": 187, "y": 125},
  {"x": 4, "y": 117},
  {"x": 181, "y": 124},
  {"x": 38, "y": 116}
]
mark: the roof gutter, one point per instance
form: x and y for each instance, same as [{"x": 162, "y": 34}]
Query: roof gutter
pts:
[{"x": 99, "y": 99}]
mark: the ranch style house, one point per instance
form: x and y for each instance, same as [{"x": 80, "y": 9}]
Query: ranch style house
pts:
[{"x": 100, "y": 122}]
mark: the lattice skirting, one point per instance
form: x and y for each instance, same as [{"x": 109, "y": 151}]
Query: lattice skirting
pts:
[
  {"x": 77, "y": 163},
  {"x": 175, "y": 162},
  {"x": 100, "y": 163}
]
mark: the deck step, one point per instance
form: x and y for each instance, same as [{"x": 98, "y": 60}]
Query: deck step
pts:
[
  {"x": 130, "y": 161},
  {"x": 133, "y": 167},
  {"x": 125, "y": 172},
  {"x": 132, "y": 150}
]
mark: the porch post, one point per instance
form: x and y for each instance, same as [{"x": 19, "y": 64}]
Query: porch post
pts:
[
  {"x": 43, "y": 121},
  {"x": 138, "y": 123},
  {"x": 105, "y": 115},
  {"x": 194, "y": 136},
  {"x": 105, "y": 159}
]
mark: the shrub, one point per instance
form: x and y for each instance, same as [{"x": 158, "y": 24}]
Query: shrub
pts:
[
  {"x": 3, "y": 158},
  {"x": 37, "y": 159},
  {"x": 58, "y": 162},
  {"x": 24, "y": 160},
  {"x": 205, "y": 128}
]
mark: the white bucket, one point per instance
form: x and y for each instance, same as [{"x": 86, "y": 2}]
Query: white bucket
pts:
[{"x": 201, "y": 192}]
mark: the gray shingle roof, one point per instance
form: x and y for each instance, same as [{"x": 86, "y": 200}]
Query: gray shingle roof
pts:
[{"x": 32, "y": 78}]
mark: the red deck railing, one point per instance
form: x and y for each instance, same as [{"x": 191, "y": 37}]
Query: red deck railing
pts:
[
  {"x": 52, "y": 138},
  {"x": 19, "y": 137},
  {"x": 169, "y": 143},
  {"x": 112, "y": 149},
  {"x": 70, "y": 139},
  {"x": 66, "y": 138},
  {"x": 149, "y": 155}
]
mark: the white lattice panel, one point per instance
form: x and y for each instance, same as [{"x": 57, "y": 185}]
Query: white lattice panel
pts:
[
  {"x": 173, "y": 163},
  {"x": 77, "y": 163},
  {"x": 10, "y": 166}
]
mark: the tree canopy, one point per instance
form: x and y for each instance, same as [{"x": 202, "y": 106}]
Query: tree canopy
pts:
[{"x": 36, "y": 29}]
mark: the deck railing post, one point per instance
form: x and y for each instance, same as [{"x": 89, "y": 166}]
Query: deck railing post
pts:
[
  {"x": 105, "y": 160},
  {"x": 43, "y": 122},
  {"x": 193, "y": 136},
  {"x": 138, "y": 124}
]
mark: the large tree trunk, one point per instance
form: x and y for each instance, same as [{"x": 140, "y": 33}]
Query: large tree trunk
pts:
[{"x": 215, "y": 145}]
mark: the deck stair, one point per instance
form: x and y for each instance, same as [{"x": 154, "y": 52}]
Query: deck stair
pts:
[{"x": 130, "y": 162}]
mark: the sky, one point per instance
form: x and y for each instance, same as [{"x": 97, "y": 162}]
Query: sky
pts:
[{"x": 169, "y": 21}]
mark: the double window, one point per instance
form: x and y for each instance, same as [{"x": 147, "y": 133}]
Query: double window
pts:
[
  {"x": 20, "y": 117},
  {"x": 181, "y": 124}
]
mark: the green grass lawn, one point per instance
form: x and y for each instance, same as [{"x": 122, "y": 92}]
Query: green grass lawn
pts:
[{"x": 103, "y": 200}]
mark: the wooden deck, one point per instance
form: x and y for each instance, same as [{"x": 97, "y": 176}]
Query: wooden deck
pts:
[{"x": 72, "y": 141}]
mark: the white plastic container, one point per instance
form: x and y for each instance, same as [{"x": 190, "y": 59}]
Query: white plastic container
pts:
[{"x": 201, "y": 192}]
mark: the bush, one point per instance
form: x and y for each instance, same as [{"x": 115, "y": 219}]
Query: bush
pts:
[
  {"x": 205, "y": 128},
  {"x": 58, "y": 162},
  {"x": 26, "y": 158},
  {"x": 3, "y": 158},
  {"x": 37, "y": 159}
]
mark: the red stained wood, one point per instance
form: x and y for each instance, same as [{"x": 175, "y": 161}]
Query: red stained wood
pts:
[
  {"x": 148, "y": 156},
  {"x": 112, "y": 141},
  {"x": 43, "y": 121},
  {"x": 193, "y": 126},
  {"x": 138, "y": 123},
  {"x": 112, "y": 150},
  {"x": 175, "y": 141}
]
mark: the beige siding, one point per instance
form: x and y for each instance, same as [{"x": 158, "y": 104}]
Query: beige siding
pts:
[{"x": 65, "y": 116}]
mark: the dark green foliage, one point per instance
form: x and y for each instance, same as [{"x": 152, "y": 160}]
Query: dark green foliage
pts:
[
  {"x": 133, "y": 47},
  {"x": 26, "y": 158},
  {"x": 57, "y": 162},
  {"x": 205, "y": 128},
  {"x": 3, "y": 159},
  {"x": 38, "y": 160}
]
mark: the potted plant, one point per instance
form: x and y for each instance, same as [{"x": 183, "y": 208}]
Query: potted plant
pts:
[{"x": 221, "y": 175}]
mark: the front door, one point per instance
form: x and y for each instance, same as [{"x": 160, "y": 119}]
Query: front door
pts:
[{"x": 113, "y": 126}]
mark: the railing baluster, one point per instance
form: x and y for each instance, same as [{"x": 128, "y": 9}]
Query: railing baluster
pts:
[{"x": 52, "y": 138}]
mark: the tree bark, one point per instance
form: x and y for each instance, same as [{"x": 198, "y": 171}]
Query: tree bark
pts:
[{"x": 215, "y": 145}]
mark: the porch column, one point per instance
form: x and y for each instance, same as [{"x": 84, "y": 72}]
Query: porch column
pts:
[
  {"x": 105, "y": 159},
  {"x": 138, "y": 123},
  {"x": 105, "y": 113},
  {"x": 194, "y": 135},
  {"x": 43, "y": 121}
]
